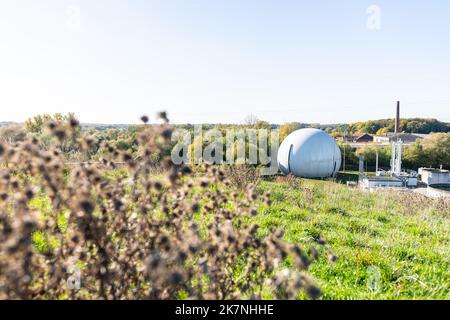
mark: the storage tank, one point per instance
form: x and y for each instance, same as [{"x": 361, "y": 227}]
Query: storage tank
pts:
[{"x": 309, "y": 153}]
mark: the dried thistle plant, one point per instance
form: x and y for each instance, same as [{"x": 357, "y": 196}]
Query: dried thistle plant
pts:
[{"x": 137, "y": 235}]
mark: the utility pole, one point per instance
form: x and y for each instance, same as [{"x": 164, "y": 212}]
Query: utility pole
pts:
[
  {"x": 376, "y": 160},
  {"x": 345, "y": 137}
]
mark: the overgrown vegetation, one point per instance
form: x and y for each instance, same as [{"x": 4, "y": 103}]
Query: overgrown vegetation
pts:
[
  {"x": 95, "y": 231},
  {"x": 131, "y": 225}
]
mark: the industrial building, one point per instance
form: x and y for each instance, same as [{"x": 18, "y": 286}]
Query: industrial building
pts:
[
  {"x": 371, "y": 182},
  {"x": 363, "y": 138},
  {"x": 309, "y": 153},
  {"x": 432, "y": 176},
  {"x": 391, "y": 136},
  {"x": 395, "y": 177},
  {"x": 360, "y": 138}
]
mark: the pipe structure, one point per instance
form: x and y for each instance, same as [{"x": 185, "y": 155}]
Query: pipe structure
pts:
[
  {"x": 397, "y": 119},
  {"x": 376, "y": 161}
]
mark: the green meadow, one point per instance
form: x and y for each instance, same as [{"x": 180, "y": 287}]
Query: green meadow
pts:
[{"x": 376, "y": 245}]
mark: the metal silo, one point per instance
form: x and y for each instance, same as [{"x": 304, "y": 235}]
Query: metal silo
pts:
[{"x": 309, "y": 153}]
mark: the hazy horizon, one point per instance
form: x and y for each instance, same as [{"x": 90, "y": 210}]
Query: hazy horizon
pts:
[
  {"x": 138, "y": 121},
  {"x": 324, "y": 62}
]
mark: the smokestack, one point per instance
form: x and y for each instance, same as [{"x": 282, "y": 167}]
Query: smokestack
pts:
[{"x": 397, "y": 118}]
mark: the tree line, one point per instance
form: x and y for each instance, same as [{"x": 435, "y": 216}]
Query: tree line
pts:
[
  {"x": 431, "y": 152},
  {"x": 412, "y": 125}
]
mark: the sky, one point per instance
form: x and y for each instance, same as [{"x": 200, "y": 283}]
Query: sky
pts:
[{"x": 211, "y": 61}]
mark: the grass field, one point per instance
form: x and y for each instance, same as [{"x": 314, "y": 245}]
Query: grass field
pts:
[{"x": 385, "y": 246}]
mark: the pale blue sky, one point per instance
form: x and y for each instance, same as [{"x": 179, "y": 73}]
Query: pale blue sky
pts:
[{"x": 220, "y": 60}]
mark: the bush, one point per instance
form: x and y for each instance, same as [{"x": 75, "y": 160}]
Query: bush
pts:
[
  {"x": 135, "y": 234},
  {"x": 242, "y": 176}
]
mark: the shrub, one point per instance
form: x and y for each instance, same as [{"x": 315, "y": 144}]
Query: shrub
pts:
[
  {"x": 131, "y": 233},
  {"x": 242, "y": 176}
]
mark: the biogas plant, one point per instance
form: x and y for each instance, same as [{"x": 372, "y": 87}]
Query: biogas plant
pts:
[
  {"x": 312, "y": 153},
  {"x": 309, "y": 153}
]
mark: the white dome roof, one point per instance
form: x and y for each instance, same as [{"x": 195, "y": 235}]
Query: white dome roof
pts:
[{"x": 309, "y": 153}]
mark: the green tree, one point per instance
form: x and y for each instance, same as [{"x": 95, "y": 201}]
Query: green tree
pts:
[{"x": 288, "y": 128}]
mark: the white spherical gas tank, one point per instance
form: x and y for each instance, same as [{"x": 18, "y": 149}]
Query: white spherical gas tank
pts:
[{"x": 309, "y": 153}]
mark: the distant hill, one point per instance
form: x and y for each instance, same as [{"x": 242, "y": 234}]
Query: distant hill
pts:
[
  {"x": 84, "y": 126},
  {"x": 7, "y": 123},
  {"x": 100, "y": 127},
  {"x": 411, "y": 125}
]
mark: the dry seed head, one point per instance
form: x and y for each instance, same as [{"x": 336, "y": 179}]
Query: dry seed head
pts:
[
  {"x": 166, "y": 134},
  {"x": 87, "y": 206},
  {"x": 60, "y": 134},
  {"x": 51, "y": 125},
  {"x": 145, "y": 119},
  {"x": 163, "y": 116},
  {"x": 313, "y": 292},
  {"x": 195, "y": 207},
  {"x": 74, "y": 123},
  {"x": 332, "y": 258}
]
